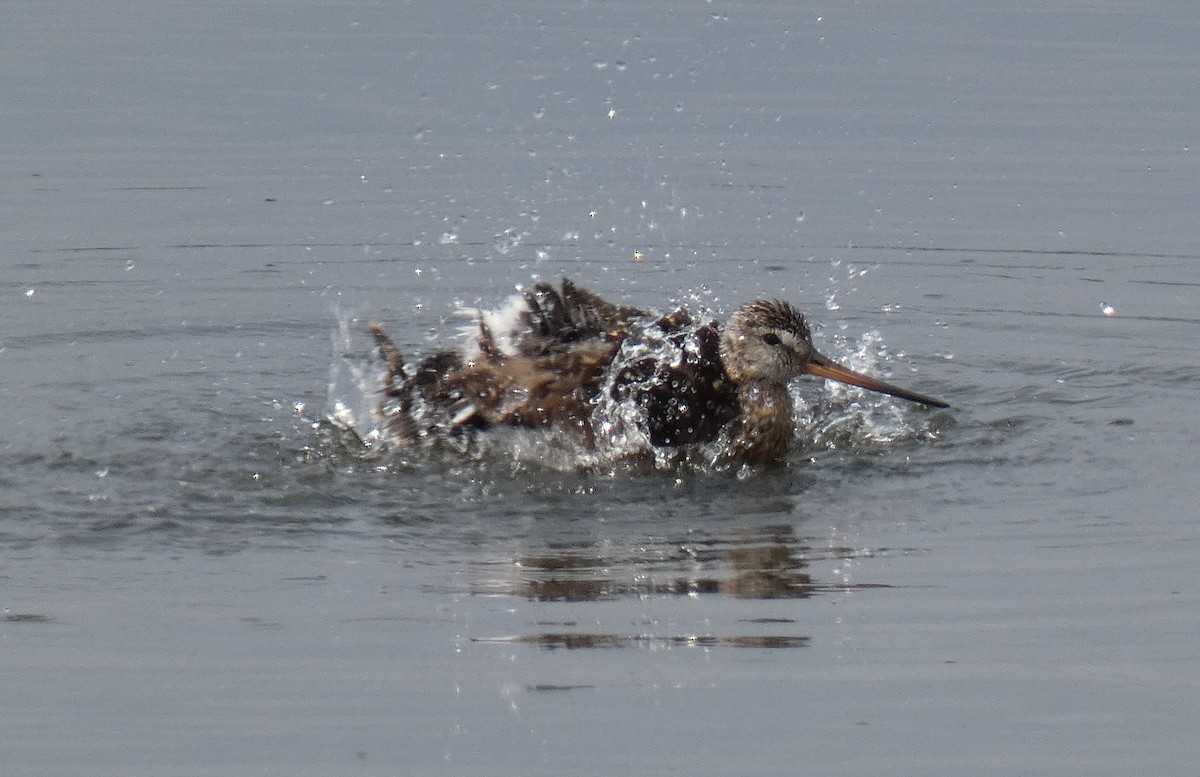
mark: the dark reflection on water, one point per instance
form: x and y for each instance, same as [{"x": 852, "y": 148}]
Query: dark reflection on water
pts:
[
  {"x": 25, "y": 617},
  {"x": 574, "y": 641}
]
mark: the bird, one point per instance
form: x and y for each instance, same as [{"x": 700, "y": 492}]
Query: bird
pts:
[{"x": 565, "y": 358}]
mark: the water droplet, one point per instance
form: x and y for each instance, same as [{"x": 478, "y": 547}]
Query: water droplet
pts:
[
  {"x": 1107, "y": 309},
  {"x": 507, "y": 240}
]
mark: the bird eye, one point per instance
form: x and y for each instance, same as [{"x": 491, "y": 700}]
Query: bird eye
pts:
[{"x": 770, "y": 338}]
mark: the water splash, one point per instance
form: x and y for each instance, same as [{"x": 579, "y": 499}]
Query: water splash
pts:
[
  {"x": 508, "y": 240},
  {"x": 353, "y": 379},
  {"x": 851, "y": 418}
]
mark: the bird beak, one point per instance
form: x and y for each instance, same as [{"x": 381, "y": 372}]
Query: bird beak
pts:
[{"x": 824, "y": 367}]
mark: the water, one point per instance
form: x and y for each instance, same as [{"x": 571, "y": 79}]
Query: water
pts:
[{"x": 205, "y": 204}]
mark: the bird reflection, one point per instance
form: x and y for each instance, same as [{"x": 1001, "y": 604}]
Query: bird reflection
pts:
[{"x": 768, "y": 562}]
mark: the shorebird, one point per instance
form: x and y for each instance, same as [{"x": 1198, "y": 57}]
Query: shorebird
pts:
[{"x": 566, "y": 358}]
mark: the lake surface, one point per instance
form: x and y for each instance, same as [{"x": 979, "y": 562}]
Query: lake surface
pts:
[{"x": 202, "y": 206}]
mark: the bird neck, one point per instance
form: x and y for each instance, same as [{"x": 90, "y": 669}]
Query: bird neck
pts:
[{"x": 765, "y": 429}]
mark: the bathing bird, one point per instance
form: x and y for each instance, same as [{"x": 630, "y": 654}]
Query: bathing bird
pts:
[{"x": 567, "y": 358}]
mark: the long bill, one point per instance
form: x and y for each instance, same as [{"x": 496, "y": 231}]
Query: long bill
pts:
[{"x": 824, "y": 367}]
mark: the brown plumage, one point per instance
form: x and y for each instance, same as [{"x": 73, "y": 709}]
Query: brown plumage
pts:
[{"x": 570, "y": 352}]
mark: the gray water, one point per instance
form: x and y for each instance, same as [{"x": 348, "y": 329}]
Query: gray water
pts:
[{"x": 203, "y": 204}]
